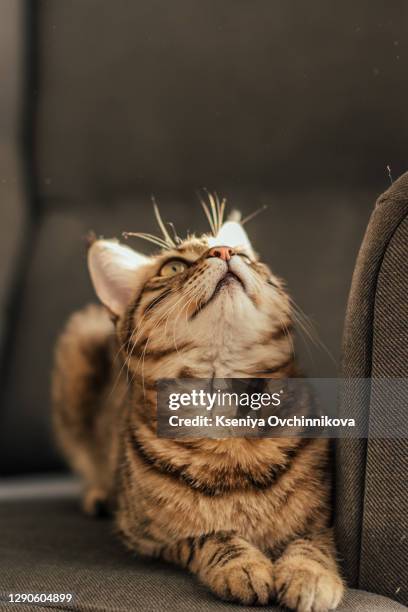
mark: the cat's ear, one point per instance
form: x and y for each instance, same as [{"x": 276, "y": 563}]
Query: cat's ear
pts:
[
  {"x": 232, "y": 234},
  {"x": 114, "y": 272}
]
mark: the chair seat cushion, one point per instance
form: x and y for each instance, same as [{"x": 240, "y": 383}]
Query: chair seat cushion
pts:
[{"x": 48, "y": 546}]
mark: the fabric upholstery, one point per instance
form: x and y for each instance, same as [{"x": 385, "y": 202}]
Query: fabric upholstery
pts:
[
  {"x": 258, "y": 96},
  {"x": 58, "y": 283},
  {"x": 386, "y": 491},
  {"x": 47, "y": 545},
  {"x": 372, "y": 485},
  {"x": 13, "y": 205}
]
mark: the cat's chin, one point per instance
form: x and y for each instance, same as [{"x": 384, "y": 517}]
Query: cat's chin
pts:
[
  {"x": 231, "y": 307},
  {"x": 227, "y": 289},
  {"x": 229, "y": 292},
  {"x": 230, "y": 283}
]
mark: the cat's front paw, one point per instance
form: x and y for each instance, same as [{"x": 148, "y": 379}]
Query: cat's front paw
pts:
[
  {"x": 307, "y": 586},
  {"x": 244, "y": 580}
]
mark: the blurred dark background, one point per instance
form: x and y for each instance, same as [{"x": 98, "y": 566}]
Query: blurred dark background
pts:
[{"x": 297, "y": 105}]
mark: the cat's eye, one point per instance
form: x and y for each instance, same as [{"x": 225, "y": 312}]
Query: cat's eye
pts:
[{"x": 173, "y": 267}]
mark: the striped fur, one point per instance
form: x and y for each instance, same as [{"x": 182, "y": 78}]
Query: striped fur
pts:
[{"x": 249, "y": 517}]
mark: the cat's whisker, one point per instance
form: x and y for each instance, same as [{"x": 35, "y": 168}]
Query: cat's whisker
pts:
[
  {"x": 288, "y": 335},
  {"x": 189, "y": 299},
  {"x": 304, "y": 335},
  {"x": 142, "y": 358},
  {"x": 139, "y": 332},
  {"x": 167, "y": 238},
  {"x": 309, "y": 329},
  {"x": 221, "y": 210},
  {"x": 253, "y": 214},
  {"x": 177, "y": 238},
  {"x": 145, "y": 319},
  {"x": 208, "y": 215},
  {"x": 149, "y": 237},
  {"x": 214, "y": 211}
]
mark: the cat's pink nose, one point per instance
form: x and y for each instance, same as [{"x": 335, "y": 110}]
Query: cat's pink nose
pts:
[{"x": 222, "y": 252}]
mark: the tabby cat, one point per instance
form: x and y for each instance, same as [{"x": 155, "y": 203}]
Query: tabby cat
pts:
[{"x": 248, "y": 516}]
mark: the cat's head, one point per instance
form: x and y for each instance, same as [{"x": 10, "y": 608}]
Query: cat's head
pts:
[{"x": 201, "y": 306}]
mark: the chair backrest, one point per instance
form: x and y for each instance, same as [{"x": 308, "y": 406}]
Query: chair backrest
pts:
[
  {"x": 271, "y": 103},
  {"x": 159, "y": 97},
  {"x": 372, "y": 475}
]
